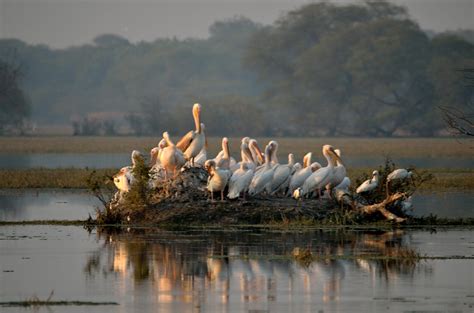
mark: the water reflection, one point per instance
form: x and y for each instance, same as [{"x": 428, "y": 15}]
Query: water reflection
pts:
[{"x": 250, "y": 267}]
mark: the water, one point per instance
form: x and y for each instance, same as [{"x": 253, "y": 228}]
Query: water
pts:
[
  {"x": 152, "y": 270},
  {"x": 117, "y": 160},
  {"x": 77, "y": 205},
  {"x": 22, "y": 205},
  {"x": 229, "y": 270}
]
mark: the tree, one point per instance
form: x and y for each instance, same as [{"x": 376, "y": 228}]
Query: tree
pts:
[
  {"x": 14, "y": 105},
  {"x": 460, "y": 121}
]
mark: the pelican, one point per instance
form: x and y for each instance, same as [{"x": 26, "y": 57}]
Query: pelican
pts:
[
  {"x": 246, "y": 156},
  {"x": 299, "y": 177},
  {"x": 193, "y": 142},
  {"x": 321, "y": 177},
  {"x": 282, "y": 176},
  {"x": 224, "y": 162},
  {"x": 370, "y": 184},
  {"x": 257, "y": 154},
  {"x": 397, "y": 174},
  {"x": 240, "y": 181},
  {"x": 339, "y": 172},
  {"x": 155, "y": 154},
  {"x": 202, "y": 156},
  {"x": 218, "y": 178},
  {"x": 345, "y": 184},
  {"x": 171, "y": 158},
  {"x": 265, "y": 175},
  {"x": 124, "y": 178}
]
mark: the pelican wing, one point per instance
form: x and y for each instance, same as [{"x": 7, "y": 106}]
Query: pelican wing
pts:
[
  {"x": 185, "y": 141},
  {"x": 365, "y": 186},
  {"x": 239, "y": 182}
]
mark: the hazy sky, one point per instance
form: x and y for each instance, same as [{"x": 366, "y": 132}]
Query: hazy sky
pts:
[{"x": 61, "y": 23}]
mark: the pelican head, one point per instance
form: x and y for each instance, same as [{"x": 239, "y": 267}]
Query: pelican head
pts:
[
  {"x": 197, "y": 108},
  {"x": 209, "y": 164},
  {"x": 315, "y": 166},
  {"x": 375, "y": 173},
  {"x": 291, "y": 159},
  {"x": 197, "y": 117},
  {"x": 328, "y": 150},
  {"x": 274, "y": 145},
  {"x": 153, "y": 155},
  {"x": 162, "y": 144},
  {"x": 136, "y": 157},
  {"x": 246, "y": 140},
  {"x": 297, "y": 167}
]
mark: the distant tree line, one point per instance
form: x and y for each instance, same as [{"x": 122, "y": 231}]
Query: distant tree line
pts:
[
  {"x": 14, "y": 104},
  {"x": 363, "y": 69}
]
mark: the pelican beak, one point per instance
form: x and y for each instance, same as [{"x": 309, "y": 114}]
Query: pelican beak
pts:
[{"x": 335, "y": 155}]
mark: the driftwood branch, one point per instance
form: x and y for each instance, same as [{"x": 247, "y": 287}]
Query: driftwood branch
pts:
[
  {"x": 380, "y": 207},
  {"x": 373, "y": 208}
]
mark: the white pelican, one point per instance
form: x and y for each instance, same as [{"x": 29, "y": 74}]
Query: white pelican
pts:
[
  {"x": 321, "y": 177},
  {"x": 171, "y": 158},
  {"x": 246, "y": 156},
  {"x": 240, "y": 181},
  {"x": 282, "y": 176},
  {"x": 339, "y": 172},
  {"x": 370, "y": 184},
  {"x": 345, "y": 184},
  {"x": 298, "y": 179},
  {"x": 224, "y": 161},
  {"x": 300, "y": 176},
  {"x": 265, "y": 175},
  {"x": 218, "y": 178},
  {"x": 397, "y": 174},
  {"x": 155, "y": 154},
  {"x": 257, "y": 154},
  {"x": 193, "y": 142},
  {"x": 124, "y": 178},
  {"x": 202, "y": 156}
]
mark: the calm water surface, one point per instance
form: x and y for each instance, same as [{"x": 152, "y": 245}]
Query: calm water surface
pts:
[
  {"x": 117, "y": 160},
  {"x": 229, "y": 270},
  {"x": 152, "y": 270},
  {"x": 75, "y": 205}
]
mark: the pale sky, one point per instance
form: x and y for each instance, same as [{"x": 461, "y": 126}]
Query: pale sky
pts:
[{"x": 62, "y": 23}]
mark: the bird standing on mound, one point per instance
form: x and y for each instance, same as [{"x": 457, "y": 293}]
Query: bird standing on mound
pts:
[
  {"x": 193, "y": 142},
  {"x": 320, "y": 178},
  {"x": 370, "y": 184},
  {"x": 397, "y": 174},
  {"x": 240, "y": 181},
  {"x": 218, "y": 178},
  {"x": 171, "y": 158}
]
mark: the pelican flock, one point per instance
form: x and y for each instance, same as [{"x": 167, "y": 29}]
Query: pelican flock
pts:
[{"x": 256, "y": 172}]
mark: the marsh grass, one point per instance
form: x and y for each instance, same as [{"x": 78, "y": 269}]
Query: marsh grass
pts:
[
  {"x": 50, "y": 178},
  {"x": 395, "y": 147}
]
